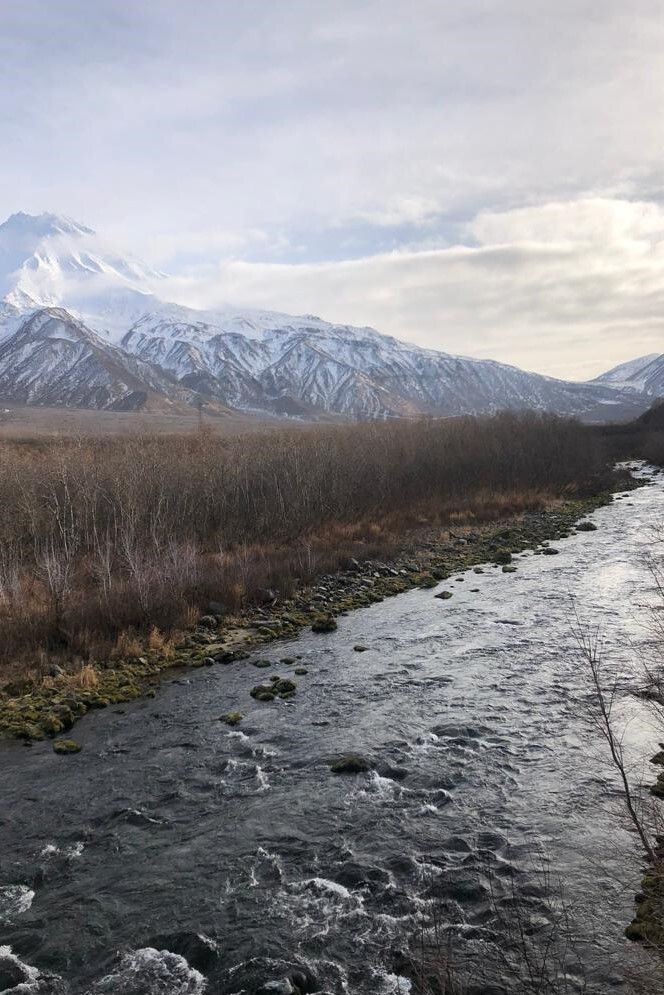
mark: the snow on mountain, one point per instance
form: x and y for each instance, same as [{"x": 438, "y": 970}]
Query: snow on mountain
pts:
[
  {"x": 82, "y": 324},
  {"x": 51, "y": 261},
  {"x": 645, "y": 375},
  {"x": 345, "y": 370},
  {"x": 54, "y": 359}
]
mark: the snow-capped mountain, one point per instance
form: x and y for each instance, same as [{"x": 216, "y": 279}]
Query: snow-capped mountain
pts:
[
  {"x": 54, "y": 359},
  {"x": 644, "y": 375},
  {"x": 83, "y": 325},
  {"x": 342, "y": 369}
]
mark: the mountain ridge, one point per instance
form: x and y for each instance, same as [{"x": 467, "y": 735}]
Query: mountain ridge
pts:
[{"x": 137, "y": 349}]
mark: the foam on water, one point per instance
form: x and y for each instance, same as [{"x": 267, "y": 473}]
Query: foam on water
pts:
[
  {"x": 383, "y": 787},
  {"x": 71, "y": 852},
  {"x": 328, "y": 887},
  {"x": 14, "y": 899},
  {"x": 19, "y": 978},
  {"x": 151, "y": 972}
]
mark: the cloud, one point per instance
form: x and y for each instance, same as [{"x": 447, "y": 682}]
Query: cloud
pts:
[
  {"x": 156, "y": 117},
  {"x": 566, "y": 288},
  {"x": 600, "y": 221},
  {"x": 485, "y": 176}
]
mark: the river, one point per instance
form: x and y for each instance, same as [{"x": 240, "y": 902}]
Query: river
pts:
[{"x": 177, "y": 855}]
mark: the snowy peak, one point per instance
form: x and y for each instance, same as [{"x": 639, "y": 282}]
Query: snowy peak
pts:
[
  {"x": 83, "y": 324},
  {"x": 48, "y": 260},
  {"x": 38, "y": 226}
]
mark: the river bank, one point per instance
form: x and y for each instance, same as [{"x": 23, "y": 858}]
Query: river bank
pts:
[
  {"x": 32, "y": 710},
  {"x": 194, "y": 856}
]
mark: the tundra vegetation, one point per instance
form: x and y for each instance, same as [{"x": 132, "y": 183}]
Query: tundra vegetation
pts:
[{"x": 109, "y": 543}]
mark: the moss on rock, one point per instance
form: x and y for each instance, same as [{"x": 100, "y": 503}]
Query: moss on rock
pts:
[
  {"x": 66, "y": 746},
  {"x": 324, "y": 623},
  {"x": 232, "y": 718}
]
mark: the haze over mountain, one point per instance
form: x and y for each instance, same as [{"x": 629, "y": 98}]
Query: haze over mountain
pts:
[{"x": 84, "y": 325}]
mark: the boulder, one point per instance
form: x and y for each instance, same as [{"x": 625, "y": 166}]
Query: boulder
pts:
[
  {"x": 208, "y": 622},
  {"x": 262, "y": 692},
  {"x": 324, "y": 623},
  {"x": 284, "y": 686},
  {"x": 350, "y": 763},
  {"x": 232, "y": 718},
  {"x": 65, "y": 746}
]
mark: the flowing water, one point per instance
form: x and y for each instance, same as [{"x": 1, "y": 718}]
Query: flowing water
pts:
[{"x": 176, "y": 855}]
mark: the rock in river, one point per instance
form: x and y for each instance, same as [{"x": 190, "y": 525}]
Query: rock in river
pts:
[
  {"x": 324, "y": 623},
  {"x": 350, "y": 763},
  {"x": 232, "y": 718},
  {"x": 65, "y": 746}
]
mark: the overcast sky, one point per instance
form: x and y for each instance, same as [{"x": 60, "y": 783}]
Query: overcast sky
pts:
[{"x": 479, "y": 177}]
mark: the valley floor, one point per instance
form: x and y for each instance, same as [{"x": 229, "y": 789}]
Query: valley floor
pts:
[
  {"x": 33, "y": 708},
  {"x": 24, "y": 422},
  {"x": 433, "y": 773}
]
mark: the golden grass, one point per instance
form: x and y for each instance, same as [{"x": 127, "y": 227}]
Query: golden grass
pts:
[
  {"x": 127, "y": 645},
  {"x": 160, "y": 644}
]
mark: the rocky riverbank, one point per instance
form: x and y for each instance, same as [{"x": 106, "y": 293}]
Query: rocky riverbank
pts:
[{"x": 31, "y": 711}]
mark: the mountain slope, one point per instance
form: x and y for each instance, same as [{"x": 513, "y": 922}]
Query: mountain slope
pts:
[
  {"x": 352, "y": 371},
  {"x": 83, "y": 325},
  {"x": 53, "y": 359},
  {"x": 644, "y": 375}
]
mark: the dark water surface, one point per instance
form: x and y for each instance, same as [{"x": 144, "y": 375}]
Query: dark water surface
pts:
[{"x": 174, "y": 855}]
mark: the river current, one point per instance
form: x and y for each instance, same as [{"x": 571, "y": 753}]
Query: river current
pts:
[{"x": 175, "y": 855}]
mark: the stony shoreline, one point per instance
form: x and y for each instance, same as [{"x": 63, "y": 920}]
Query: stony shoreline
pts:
[{"x": 36, "y": 711}]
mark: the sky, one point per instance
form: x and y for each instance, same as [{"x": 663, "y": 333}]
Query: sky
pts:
[{"x": 484, "y": 177}]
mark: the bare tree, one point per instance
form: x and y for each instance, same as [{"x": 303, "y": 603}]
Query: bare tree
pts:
[{"x": 605, "y": 690}]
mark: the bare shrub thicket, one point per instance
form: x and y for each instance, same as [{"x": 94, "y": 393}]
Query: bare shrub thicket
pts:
[
  {"x": 529, "y": 943},
  {"x": 102, "y": 535},
  {"x": 608, "y": 688}
]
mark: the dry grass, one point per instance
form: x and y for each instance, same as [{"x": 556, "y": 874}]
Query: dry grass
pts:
[
  {"x": 160, "y": 644},
  {"x": 127, "y": 645},
  {"x": 86, "y": 677},
  {"x": 105, "y": 542},
  {"x": 37, "y": 423}
]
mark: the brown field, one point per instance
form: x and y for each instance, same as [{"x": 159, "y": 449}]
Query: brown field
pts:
[
  {"x": 33, "y": 422},
  {"x": 103, "y": 537}
]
